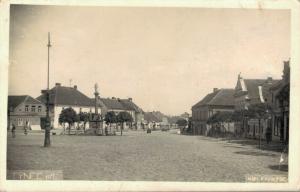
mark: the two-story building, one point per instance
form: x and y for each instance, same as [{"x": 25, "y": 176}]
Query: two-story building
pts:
[
  {"x": 280, "y": 103},
  {"x": 251, "y": 92},
  {"x": 24, "y": 109},
  {"x": 217, "y": 101}
]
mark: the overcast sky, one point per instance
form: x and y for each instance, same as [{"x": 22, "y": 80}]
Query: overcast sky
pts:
[{"x": 166, "y": 59}]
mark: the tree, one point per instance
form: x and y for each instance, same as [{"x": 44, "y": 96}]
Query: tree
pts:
[
  {"x": 69, "y": 116},
  {"x": 124, "y": 117},
  {"x": 84, "y": 117},
  {"x": 110, "y": 118},
  {"x": 181, "y": 122}
]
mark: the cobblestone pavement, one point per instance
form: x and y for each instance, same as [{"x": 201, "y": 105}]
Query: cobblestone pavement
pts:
[{"x": 159, "y": 156}]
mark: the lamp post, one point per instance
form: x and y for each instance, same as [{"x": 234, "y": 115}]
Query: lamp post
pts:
[{"x": 47, "y": 142}]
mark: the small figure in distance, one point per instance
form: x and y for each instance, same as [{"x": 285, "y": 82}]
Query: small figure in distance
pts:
[
  {"x": 148, "y": 130},
  {"x": 13, "y": 130}
]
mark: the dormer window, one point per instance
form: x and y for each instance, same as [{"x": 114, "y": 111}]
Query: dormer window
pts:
[
  {"x": 26, "y": 108},
  {"x": 32, "y": 108},
  {"x": 39, "y": 108}
]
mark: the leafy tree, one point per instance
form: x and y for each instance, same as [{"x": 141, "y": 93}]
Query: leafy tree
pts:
[
  {"x": 181, "y": 122},
  {"x": 69, "y": 116},
  {"x": 110, "y": 117},
  {"x": 84, "y": 117},
  {"x": 123, "y": 117}
]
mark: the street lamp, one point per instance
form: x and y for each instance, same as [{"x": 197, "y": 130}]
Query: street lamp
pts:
[{"x": 47, "y": 142}]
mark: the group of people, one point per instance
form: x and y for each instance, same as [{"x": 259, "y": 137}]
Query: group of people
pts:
[{"x": 26, "y": 128}]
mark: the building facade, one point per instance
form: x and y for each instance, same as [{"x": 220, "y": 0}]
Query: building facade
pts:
[
  {"x": 280, "y": 103},
  {"x": 23, "y": 110},
  {"x": 217, "y": 101},
  {"x": 62, "y": 97},
  {"x": 250, "y": 92}
]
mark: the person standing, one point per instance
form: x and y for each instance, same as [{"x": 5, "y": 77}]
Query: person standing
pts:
[
  {"x": 13, "y": 131},
  {"x": 268, "y": 135},
  {"x": 26, "y": 127}
]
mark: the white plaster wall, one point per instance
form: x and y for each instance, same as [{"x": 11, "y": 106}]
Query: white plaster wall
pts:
[{"x": 59, "y": 108}]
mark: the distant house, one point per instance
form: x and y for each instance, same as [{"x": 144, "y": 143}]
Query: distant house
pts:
[
  {"x": 24, "y": 108},
  {"x": 250, "y": 92},
  {"x": 152, "y": 120},
  {"x": 217, "y": 101},
  {"x": 280, "y": 103},
  {"x": 117, "y": 105},
  {"x": 62, "y": 97}
]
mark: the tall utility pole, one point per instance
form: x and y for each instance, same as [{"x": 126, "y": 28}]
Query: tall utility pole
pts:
[{"x": 47, "y": 142}]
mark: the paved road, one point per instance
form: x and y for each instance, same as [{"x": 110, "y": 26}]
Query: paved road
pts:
[{"x": 160, "y": 156}]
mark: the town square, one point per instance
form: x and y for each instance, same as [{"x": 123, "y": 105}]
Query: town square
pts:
[
  {"x": 138, "y": 156},
  {"x": 148, "y": 94}
]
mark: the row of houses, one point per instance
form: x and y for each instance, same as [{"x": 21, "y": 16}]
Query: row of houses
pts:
[
  {"x": 26, "y": 109},
  {"x": 227, "y": 110}
]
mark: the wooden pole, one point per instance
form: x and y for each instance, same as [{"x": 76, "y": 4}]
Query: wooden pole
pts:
[{"x": 47, "y": 141}]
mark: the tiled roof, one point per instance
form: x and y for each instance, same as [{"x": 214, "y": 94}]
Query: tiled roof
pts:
[
  {"x": 15, "y": 100},
  {"x": 129, "y": 105},
  {"x": 113, "y": 103},
  {"x": 121, "y": 104},
  {"x": 224, "y": 97},
  {"x": 150, "y": 117},
  {"x": 60, "y": 95},
  {"x": 252, "y": 86},
  {"x": 206, "y": 99}
]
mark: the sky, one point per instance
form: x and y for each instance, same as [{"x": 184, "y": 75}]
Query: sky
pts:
[{"x": 165, "y": 59}]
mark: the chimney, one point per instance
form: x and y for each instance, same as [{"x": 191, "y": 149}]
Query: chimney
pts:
[
  {"x": 113, "y": 98},
  {"x": 130, "y": 99},
  {"x": 57, "y": 84},
  {"x": 269, "y": 80},
  {"x": 75, "y": 87},
  {"x": 215, "y": 90}
]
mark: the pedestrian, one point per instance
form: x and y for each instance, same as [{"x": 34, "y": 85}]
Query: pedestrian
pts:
[
  {"x": 13, "y": 131},
  {"x": 26, "y": 127},
  {"x": 268, "y": 135}
]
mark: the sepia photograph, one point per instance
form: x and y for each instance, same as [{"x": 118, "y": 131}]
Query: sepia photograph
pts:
[{"x": 149, "y": 94}]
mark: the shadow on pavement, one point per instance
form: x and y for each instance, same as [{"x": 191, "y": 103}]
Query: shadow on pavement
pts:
[
  {"x": 273, "y": 146},
  {"x": 284, "y": 168},
  {"x": 255, "y": 153}
]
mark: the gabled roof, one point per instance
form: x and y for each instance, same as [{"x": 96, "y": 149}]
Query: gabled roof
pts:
[
  {"x": 253, "y": 84},
  {"x": 113, "y": 103},
  {"x": 120, "y": 104},
  {"x": 129, "y": 105},
  {"x": 206, "y": 99},
  {"x": 60, "y": 95},
  {"x": 222, "y": 97},
  {"x": 15, "y": 100},
  {"x": 150, "y": 117}
]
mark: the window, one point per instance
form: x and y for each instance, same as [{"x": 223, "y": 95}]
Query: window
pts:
[
  {"x": 39, "y": 108},
  {"x": 32, "y": 108},
  {"x": 26, "y": 108}
]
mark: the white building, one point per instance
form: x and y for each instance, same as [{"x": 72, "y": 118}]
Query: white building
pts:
[{"x": 62, "y": 97}]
